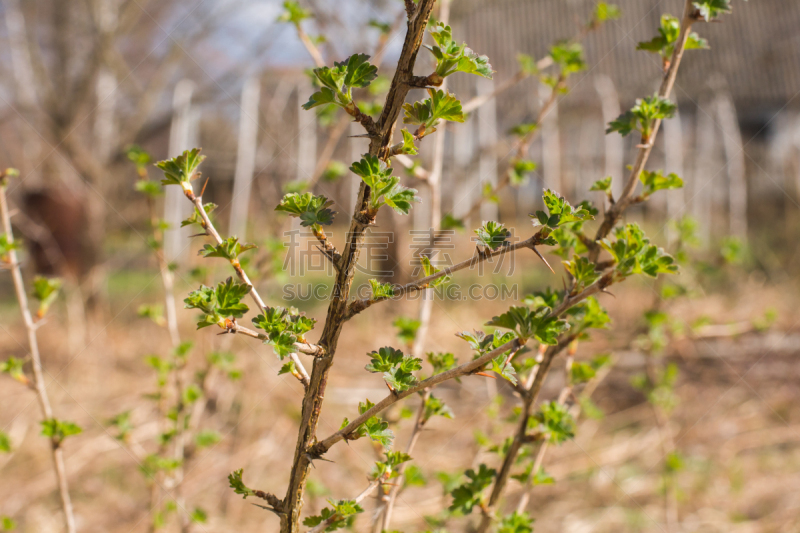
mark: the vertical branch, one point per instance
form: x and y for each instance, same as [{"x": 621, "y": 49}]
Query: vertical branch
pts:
[
  {"x": 36, "y": 361},
  {"x": 335, "y": 319}
]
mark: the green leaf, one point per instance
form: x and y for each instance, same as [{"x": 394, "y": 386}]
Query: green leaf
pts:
[
  {"x": 293, "y": 13},
  {"x": 7, "y": 523},
  {"x": 582, "y": 271},
  {"x": 429, "y": 112},
  {"x": 430, "y": 270},
  {"x": 524, "y": 129},
  {"x": 122, "y": 422},
  {"x": 238, "y": 486},
  {"x": 334, "y": 171},
  {"x": 283, "y": 327},
  {"x": 526, "y": 324},
  {"x": 396, "y": 368},
  {"x": 527, "y": 64},
  {"x": 518, "y": 173},
  {"x": 469, "y": 494},
  {"x": 560, "y": 211},
  {"x": 568, "y": 56},
  {"x": 516, "y": 523},
  {"x": 555, "y": 422},
  {"x": 374, "y": 428},
  {"x": 206, "y": 438},
  {"x": 341, "y": 515},
  {"x": 359, "y": 71},
  {"x": 664, "y": 43},
  {"x": 406, "y": 329},
  {"x": 199, "y": 516},
  {"x": 180, "y": 170},
  {"x": 150, "y": 188},
  {"x": 633, "y": 254},
  {"x": 642, "y": 115},
  {"x": 449, "y": 222},
  {"x": 58, "y": 430},
  {"x": 5, "y": 442},
  {"x": 452, "y": 57},
  {"x": 311, "y": 209},
  {"x": 229, "y": 249},
  {"x": 324, "y": 96},
  {"x": 408, "y": 143},
  {"x": 6, "y": 246},
  {"x": 604, "y": 12},
  {"x": 492, "y": 235},
  {"x": 436, "y": 407},
  {"x": 400, "y": 198},
  {"x": 602, "y": 185},
  {"x": 195, "y": 218},
  {"x": 45, "y": 291},
  {"x": 441, "y": 361},
  {"x": 380, "y": 290},
  {"x": 224, "y": 301},
  {"x": 656, "y": 181},
  {"x": 711, "y": 9},
  {"x": 138, "y": 156}
]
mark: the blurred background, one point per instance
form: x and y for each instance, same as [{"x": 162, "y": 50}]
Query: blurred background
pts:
[{"x": 80, "y": 82}]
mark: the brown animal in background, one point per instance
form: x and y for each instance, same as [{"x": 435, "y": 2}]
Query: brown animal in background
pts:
[{"x": 61, "y": 246}]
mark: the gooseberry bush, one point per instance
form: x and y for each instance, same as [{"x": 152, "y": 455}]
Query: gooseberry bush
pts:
[{"x": 520, "y": 345}]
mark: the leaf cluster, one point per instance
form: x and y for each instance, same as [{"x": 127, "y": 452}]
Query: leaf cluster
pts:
[
  {"x": 633, "y": 254},
  {"x": 180, "y": 170},
  {"x": 229, "y": 249},
  {"x": 668, "y": 32},
  {"x": 374, "y": 427},
  {"x": 337, "y": 82},
  {"x": 470, "y": 493},
  {"x": 427, "y": 113},
  {"x": 45, "y": 291},
  {"x": 655, "y": 180},
  {"x": 312, "y": 210},
  {"x": 283, "y": 327},
  {"x": 341, "y": 514},
  {"x": 218, "y": 303},
  {"x": 560, "y": 212},
  {"x": 58, "y": 430},
  {"x": 384, "y": 188},
  {"x": 396, "y": 367},
  {"x": 452, "y": 57},
  {"x": 642, "y": 115},
  {"x": 492, "y": 235},
  {"x": 554, "y": 422},
  {"x": 527, "y": 323}
]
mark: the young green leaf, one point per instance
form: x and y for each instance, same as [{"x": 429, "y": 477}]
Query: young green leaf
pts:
[
  {"x": 642, "y": 115},
  {"x": 711, "y": 9},
  {"x": 441, "y": 361},
  {"x": 568, "y": 56},
  {"x": 180, "y": 170},
  {"x": 469, "y": 494},
  {"x": 237, "y": 484},
  {"x": 229, "y": 249},
  {"x": 406, "y": 329},
  {"x": 604, "y": 12},
  {"x": 555, "y": 422},
  {"x": 633, "y": 254},
  {"x": 380, "y": 290},
  {"x": 58, "y": 430},
  {"x": 216, "y": 304},
  {"x": 6, "y": 246},
  {"x": 195, "y": 218},
  {"x": 311, "y": 209},
  {"x": 656, "y": 181},
  {"x": 396, "y": 368},
  {"x": 429, "y": 112},
  {"x": 430, "y": 270},
  {"x": 45, "y": 291},
  {"x": 359, "y": 71},
  {"x": 5, "y": 442},
  {"x": 374, "y": 428},
  {"x": 516, "y": 522},
  {"x": 582, "y": 271},
  {"x": 518, "y": 173},
  {"x": 341, "y": 515},
  {"x": 526, "y": 324},
  {"x": 664, "y": 43},
  {"x": 293, "y": 13},
  {"x": 14, "y": 367},
  {"x": 492, "y": 235},
  {"x": 560, "y": 211},
  {"x": 452, "y": 57},
  {"x": 408, "y": 143}
]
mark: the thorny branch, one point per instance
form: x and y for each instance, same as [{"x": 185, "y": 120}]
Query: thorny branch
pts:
[{"x": 242, "y": 275}]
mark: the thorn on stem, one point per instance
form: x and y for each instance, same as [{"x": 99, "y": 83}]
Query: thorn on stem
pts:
[
  {"x": 203, "y": 190},
  {"x": 543, "y": 259}
]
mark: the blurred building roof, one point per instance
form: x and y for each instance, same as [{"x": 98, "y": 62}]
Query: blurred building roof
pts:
[{"x": 755, "y": 51}]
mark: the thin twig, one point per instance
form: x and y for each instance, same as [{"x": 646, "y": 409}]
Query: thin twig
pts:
[
  {"x": 242, "y": 275},
  {"x": 36, "y": 361}
]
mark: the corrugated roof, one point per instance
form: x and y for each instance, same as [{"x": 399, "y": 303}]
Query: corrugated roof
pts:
[{"x": 755, "y": 50}]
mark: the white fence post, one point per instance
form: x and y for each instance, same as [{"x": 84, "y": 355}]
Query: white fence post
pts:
[{"x": 245, "y": 157}]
